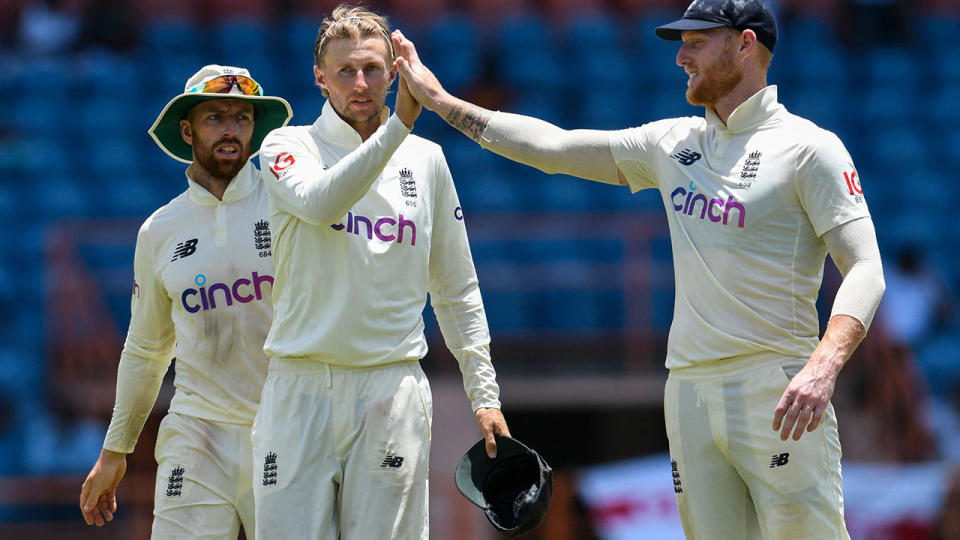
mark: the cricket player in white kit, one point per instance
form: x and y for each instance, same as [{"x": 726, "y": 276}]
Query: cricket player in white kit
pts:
[
  {"x": 366, "y": 221},
  {"x": 755, "y": 198},
  {"x": 203, "y": 274}
]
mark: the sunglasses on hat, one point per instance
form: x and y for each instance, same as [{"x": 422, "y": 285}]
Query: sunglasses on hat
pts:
[{"x": 224, "y": 84}]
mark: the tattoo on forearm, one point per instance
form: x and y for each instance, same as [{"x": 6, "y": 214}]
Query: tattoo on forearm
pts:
[{"x": 471, "y": 120}]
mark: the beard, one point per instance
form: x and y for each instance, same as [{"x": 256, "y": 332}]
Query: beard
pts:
[
  {"x": 716, "y": 82},
  {"x": 217, "y": 167},
  {"x": 358, "y": 120}
]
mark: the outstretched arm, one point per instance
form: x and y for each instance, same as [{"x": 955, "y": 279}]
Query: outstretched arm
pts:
[{"x": 583, "y": 153}]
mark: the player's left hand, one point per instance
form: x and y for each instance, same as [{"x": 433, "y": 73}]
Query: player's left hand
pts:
[
  {"x": 407, "y": 106},
  {"x": 491, "y": 422},
  {"x": 98, "y": 495},
  {"x": 805, "y": 400}
]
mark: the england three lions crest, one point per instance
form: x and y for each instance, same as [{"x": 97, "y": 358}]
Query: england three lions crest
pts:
[
  {"x": 261, "y": 238},
  {"x": 408, "y": 186}
]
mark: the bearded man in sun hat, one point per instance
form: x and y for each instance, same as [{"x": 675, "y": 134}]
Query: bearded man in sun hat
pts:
[{"x": 202, "y": 292}]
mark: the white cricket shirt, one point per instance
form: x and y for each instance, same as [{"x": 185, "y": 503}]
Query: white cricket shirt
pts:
[
  {"x": 747, "y": 204},
  {"x": 363, "y": 230},
  {"x": 203, "y": 276}
]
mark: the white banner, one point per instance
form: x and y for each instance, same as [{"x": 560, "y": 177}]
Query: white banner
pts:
[{"x": 634, "y": 500}]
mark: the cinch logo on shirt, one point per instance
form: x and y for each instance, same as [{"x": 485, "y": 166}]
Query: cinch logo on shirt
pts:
[
  {"x": 243, "y": 290},
  {"x": 715, "y": 209},
  {"x": 384, "y": 228}
]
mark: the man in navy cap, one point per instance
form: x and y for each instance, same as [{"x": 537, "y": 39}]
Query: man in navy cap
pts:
[{"x": 755, "y": 198}]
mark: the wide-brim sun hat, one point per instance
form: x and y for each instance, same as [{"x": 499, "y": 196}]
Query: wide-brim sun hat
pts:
[{"x": 218, "y": 82}]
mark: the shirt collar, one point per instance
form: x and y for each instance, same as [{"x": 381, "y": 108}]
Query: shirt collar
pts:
[
  {"x": 756, "y": 110},
  {"x": 239, "y": 187},
  {"x": 337, "y": 131}
]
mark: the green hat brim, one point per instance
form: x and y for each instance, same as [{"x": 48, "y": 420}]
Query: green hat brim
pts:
[{"x": 270, "y": 113}]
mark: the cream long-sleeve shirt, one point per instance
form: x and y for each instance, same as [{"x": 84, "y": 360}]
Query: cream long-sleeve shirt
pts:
[
  {"x": 364, "y": 230},
  {"x": 203, "y": 275},
  {"x": 748, "y": 204}
]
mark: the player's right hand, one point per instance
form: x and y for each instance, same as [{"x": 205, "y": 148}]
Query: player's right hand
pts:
[{"x": 98, "y": 496}]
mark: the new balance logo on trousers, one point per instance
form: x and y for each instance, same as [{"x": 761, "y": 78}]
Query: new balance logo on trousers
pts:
[
  {"x": 779, "y": 460},
  {"x": 392, "y": 461}
]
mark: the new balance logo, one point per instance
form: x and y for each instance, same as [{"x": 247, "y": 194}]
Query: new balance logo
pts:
[
  {"x": 270, "y": 469},
  {"x": 392, "y": 461},
  {"x": 677, "y": 488},
  {"x": 779, "y": 460},
  {"x": 686, "y": 156},
  {"x": 184, "y": 249},
  {"x": 175, "y": 482}
]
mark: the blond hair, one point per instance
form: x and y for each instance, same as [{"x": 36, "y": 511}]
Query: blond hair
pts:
[{"x": 350, "y": 22}]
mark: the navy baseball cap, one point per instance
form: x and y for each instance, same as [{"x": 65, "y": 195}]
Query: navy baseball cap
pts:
[
  {"x": 753, "y": 15},
  {"x": 514, "y": 489}
]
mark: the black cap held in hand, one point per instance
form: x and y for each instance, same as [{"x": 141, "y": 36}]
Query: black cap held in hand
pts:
[
  {"x": 753, "y": 15},
  {"x": 514, "y": 489}
]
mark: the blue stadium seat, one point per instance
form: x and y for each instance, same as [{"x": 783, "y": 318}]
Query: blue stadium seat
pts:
[
  {"x": 526, "y": 56},
  {"x": 827, "y": 106},
  {"x": 902, "y": 148},
  {"x": 104, "y": 75},
  {"x": 580, "y": 310},
  {"x": 595, "y": 31},
  {"x": 169, "y": 73},
  {"x": 237, "y": 38},
  {"x": 108, "y": 117},
  {"x": 807, "y": 30},
  {"x": 671, "y": 103},
  {"x": 611, "y": 107},
  {"x": 930, "y": 187},
  {"x": 554, "y": 193},
  {"x": 935, "y": 30},
  {"x": 548, "y": 104},
  {"x": 162, "y": 37},
  {"x": 135, "y": 199},
  {"x": 112, "y": 157},
  {"x": 45, "y": 157},
  {"x": 46, "y": 79},
  {"x": 942, "y": 110},
  {"x": 508, "y": 312},
  {"x": 642, "y": 35},
  {"x": 908, "y": 225},
  {"x": 892, "y": 67},
  {"x": 64, "y": 197},
  {"x": 35, "y": 116},
  {"x": 938, "y": 362},
  {"x": 453, "y": 52},
  {"x": 653, "y": 59},
  {"x": 483, "y": 180},
  {"x": 812, "y": 65},
  {"x": 887, "y": 107}
]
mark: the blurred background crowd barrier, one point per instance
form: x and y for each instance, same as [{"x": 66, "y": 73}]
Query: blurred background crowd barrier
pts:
[{"x": 577, "y": 277}]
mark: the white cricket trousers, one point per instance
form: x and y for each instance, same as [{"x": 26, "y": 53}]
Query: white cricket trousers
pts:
[
  {"x": 342, "y": 453},
  {"x": 733, "y": 476},
  {"x": 204, "y": 488}
]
